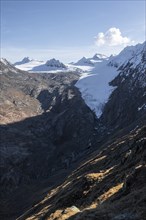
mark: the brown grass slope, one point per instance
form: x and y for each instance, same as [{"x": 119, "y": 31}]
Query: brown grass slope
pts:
[{"x": 109, "y": 186}]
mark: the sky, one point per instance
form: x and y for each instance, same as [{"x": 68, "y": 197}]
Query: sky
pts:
[{"x": 69, "y": 30}]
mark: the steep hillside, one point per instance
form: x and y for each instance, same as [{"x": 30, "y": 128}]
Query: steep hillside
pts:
[
  {"x": 110, "y": 185},
  {"x": 127, "y": 103}
]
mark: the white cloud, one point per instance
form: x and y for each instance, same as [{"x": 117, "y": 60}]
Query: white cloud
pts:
[{"x": 112, "y": 37}]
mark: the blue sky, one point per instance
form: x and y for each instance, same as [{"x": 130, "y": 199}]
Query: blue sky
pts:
[{"x": 68, "y": 30}]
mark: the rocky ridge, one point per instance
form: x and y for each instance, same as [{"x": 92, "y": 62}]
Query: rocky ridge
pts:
[
  {"x": 91, "y": 61},
  {"x": 126, "y": 104}
]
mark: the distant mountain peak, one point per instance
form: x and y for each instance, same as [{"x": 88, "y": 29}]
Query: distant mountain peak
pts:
[
  {"x": 132, "y": 54},
  {"x": 26, "y": 59},
  {"x": 91, "y": 61},
  {"x": 84, "y": 61},
  {"x": 55, "y": 63},
  {"x": 99, "y": 56},
  {"x": 23, "y": 61}
]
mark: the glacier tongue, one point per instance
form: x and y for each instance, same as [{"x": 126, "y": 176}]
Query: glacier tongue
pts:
[
  {"x": 94, "y": 85},
  {"x": 95, "y": 88}
]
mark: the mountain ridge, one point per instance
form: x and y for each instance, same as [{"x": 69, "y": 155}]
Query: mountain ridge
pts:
[{"x": 66, "y": 162}]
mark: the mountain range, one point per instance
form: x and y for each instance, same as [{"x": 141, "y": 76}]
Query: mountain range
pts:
[
  {"x": 55, "y": 65},
  {"x": 73, "y": 141},
  {"x": 36, "y": 65}
]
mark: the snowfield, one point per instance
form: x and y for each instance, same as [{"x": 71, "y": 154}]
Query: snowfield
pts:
[
  {"x": 29, "y": 65},
  {"x": 95, "y": 88},
  {"x": 94, "y": 84}
]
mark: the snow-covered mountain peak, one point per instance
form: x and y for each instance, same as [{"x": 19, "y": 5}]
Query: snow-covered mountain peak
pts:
[
  {"x": 131, "y": 54},
  {"x": 55, "y": 63},
  {"x": 23, "y": 61},
  {"x": 84, "y": 58},
  {"x": 26, "y": 60},
  {"x": 84, "y": 62},
  {"x": 91, "y": 61},
  {"x": 99, "y": 56},
  {"x": 95, "y": 86}
]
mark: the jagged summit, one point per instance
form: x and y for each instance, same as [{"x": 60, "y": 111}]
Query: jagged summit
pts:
[
  {"x": 26, "y": 60},
  {"x": 132, "y": 54},
  {"x": 99, "y": 56},
  {"x": 50, "y": 65},
  {"x": 23, "y": 61},
  {"x": 55, "y": 63},
  {"x": 91, "y": 61},
  {"x": 84, "y": 61},
  {"x": 28, "y": 64}
]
